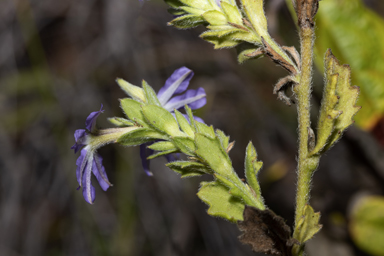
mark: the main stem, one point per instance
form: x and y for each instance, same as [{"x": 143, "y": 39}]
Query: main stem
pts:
[{"x": 306, "y": 165}]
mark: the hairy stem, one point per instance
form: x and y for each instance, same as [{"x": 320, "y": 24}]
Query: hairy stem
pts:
[{"x": 306, "y": 165}]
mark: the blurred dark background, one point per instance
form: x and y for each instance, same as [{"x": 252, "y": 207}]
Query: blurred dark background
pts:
[{"x": 58, "y": 63}]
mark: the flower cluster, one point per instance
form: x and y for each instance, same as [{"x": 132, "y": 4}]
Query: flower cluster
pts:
[{"x": 173, "y": 95}]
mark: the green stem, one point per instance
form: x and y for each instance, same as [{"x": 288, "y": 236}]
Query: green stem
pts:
[{"x": 306, "y": 165}]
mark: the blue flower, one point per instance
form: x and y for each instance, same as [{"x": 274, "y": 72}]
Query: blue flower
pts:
[
  {"x": 89, "y": 160},
  {"x": 177, "y": 83}
]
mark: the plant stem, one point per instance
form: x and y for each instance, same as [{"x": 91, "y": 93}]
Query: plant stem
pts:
[{"x": 306, "y": 165}]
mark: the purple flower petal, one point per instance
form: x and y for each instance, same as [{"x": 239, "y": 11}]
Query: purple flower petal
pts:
[
  {"x": 193, "y": 98},
  {"x": 81, "y": 165},
  {"x": 177, "y": 83},
  {"x": 144, "y": 153},
  {"x": 90, "y": 123},
  {"x": 88, "y": 189},
  {"x": 80, "y": 139},
  {"x": 99, "y": 171}
]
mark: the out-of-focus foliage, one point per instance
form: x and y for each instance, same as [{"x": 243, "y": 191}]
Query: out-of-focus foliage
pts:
[
  {"x": 367, "y": 224},
  {"x": 356, "y": 36}
]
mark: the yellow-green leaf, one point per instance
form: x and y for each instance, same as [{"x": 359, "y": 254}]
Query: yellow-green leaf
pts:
[
  {"x": 307, "y": 226},
  {"x": 221, "y": 203}
]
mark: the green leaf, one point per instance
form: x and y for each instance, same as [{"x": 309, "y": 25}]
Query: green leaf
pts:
[
  {"x": 355, "y": 35},
  {"x": 188, "y": 169},
  {"x": 247, "y": 51},
  {"x": 221, "y": 42},
  {"x": 252, "y": 167},
  {"x": 215, "y": 18},
  {"x": 367, "y": 224},
  {"x": 184, "y": 124},
  {"x": 185, "y": 144},
  {"x": 220, "y": 202},
  {"x": 308, "y": 225},
  {"x": 205, "y": 129},
  {"x": 163, "y": 146},
  {"x": 199, "y": 4},
  {"x": 174, "y": 3},
  {"x": 140, "y": 136},
  {"x": 328, "y": 112},
  {"x": 133, "y": 91},
  {"x": 163, "y": 153},
  {"x": 162, "y": 120},
  {"x": 213, "y": 154},
  {"x": 224, "y": 140},
  {"x": 232, "y": 13},
  {"x": 191, "y": 119},
  {"x": 187, "y": 21},
  {"x": 121, "y": 122},
  {"x": 132, "y": 109},
  {"x": 346, "y": 107},
  {"x": 255, "y": 13},
  {"x": 192, "y": 10},
  {"x": 150, "y": 94}
]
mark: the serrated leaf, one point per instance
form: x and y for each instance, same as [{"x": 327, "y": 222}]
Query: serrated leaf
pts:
[
  {"x": 188, "y": 169},
  {"x": 355, "y": 34},
  {"x": 247, "y": 51},
  {"x": 255, "y": 13},
  {"x": 347, "y": 94},
  {"x": 187, "y": 21},
  {"x": 220, "y": 202},
  {"x": 252, "y": 167},
  {"x": 367, "y": 224},
  {"x": 150, "y": 94},
  {"x": 132, "y": 109},
  {"x": 328, "y": 112},
  {"x": 176, "y": 12},
  {"x": 219, "y": 33},
  {"x": 190, "y": 116},
  {"x": 224, "y": 140},
  {"x": 163, "y": 153},
  {"x": 185, "y": 144},
  {"x": 131, "y": 90},
  {"x": 162, "y": 120},
  {"x": 174, "y": 3},
  {"x": 205, "y": 129},
  {"x": 232, "y": 13},
  {"x": 184, "y": 124},
  {"x": 140, "y": 136},
  {"x": 213, "y": 154},
  {"x": 308, "y": 225},
  {"x": 221, "y": 42},
  {"x": 200, "y": 4},
  {"x": 215, "y": 18},
  {"x": 162, "y": 146},
  {"x": 121, "y": 122},
  {"x": 192, "y": 10}
]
